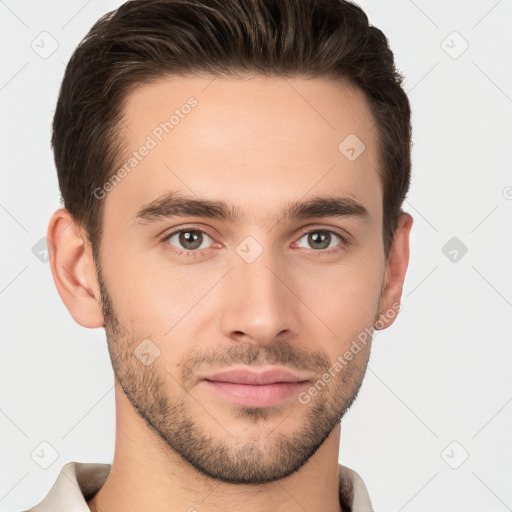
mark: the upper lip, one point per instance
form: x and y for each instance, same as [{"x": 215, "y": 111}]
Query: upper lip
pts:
[{"x": 243, "y": 376}]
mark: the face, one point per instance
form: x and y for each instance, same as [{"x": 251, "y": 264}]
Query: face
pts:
[{"x": 286, "y": 274}]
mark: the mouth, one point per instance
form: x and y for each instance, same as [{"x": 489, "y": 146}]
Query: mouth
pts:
[{"x": 256, "y": 389}]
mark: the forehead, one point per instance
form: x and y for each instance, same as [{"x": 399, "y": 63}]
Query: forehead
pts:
[{"x": 254, "y": 141}]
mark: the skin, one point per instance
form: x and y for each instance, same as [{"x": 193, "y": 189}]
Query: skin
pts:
[{"x": 258, "y": 143}]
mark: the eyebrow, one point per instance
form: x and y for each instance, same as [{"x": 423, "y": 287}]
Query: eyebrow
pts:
[{"x": 174, "y": 204}]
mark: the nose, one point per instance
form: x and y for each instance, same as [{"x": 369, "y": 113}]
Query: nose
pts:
[{"x": 258, "y": 301}]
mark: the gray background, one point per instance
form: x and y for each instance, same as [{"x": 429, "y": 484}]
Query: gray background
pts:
[{"x": 431, "y": 427}]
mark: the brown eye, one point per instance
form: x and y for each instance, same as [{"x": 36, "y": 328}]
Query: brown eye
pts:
[
  {"x": 321, "y": 239},
  {"x": 188, "y": 239}
]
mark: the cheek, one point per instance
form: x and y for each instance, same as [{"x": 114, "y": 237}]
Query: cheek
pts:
[
  {"x": 347, "y": 300},
  {"x": 159, "y": 298},
  {"x": 347, "y": 309},
  {"x": 144, "y": 296}
]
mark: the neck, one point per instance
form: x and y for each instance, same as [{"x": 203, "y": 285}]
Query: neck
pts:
[{"x": 147, "y": 475}]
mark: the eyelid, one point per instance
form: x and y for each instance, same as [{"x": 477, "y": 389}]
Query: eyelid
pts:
[
  {"x": 181, "y": 229},
  {"x": 346, "y": 238},
  {"x": 345, "y": 241}
]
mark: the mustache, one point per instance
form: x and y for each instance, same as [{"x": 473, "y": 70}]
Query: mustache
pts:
[{"x": 281, "y": 353}]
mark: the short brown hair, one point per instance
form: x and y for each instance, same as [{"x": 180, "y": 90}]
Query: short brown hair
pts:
[{"x": 144, "y": 40}]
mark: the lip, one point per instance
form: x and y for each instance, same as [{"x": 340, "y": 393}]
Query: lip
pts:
[
  {"x": 256, "y": 389},
  {"x": 243, "y": 376}
]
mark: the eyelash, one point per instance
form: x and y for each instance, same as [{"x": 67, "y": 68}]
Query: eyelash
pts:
[{"x": 196, "y": 252}]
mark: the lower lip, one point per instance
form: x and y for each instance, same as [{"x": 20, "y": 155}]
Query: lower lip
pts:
[{"x": 263, "y": 395}]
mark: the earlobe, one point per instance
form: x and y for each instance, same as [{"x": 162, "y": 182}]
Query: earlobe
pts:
[
  {"x": 396, "y": 268},
  {"x": 73, "y": 270}
]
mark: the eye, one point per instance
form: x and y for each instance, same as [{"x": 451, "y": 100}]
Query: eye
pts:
[
  {"x": 322, "y": 239},
  {"x": 187, "y": 240},
  {"x": 190, "y": 242}
]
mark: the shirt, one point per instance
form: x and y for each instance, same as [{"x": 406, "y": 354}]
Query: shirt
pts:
[{"x": 80, "y": 481}]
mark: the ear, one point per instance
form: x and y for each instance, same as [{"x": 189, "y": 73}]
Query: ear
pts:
[
  {"x": 396, "y": 267},
  {"x": 73, "y": 269}
]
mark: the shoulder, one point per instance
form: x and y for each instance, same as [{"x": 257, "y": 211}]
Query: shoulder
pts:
[{"x": 353, "y": 490}]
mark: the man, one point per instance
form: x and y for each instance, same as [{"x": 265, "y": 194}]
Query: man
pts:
[{"x": 232, "y": 174}]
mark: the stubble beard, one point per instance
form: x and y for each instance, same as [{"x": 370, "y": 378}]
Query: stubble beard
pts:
[{"x": 246, "y": 460}]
